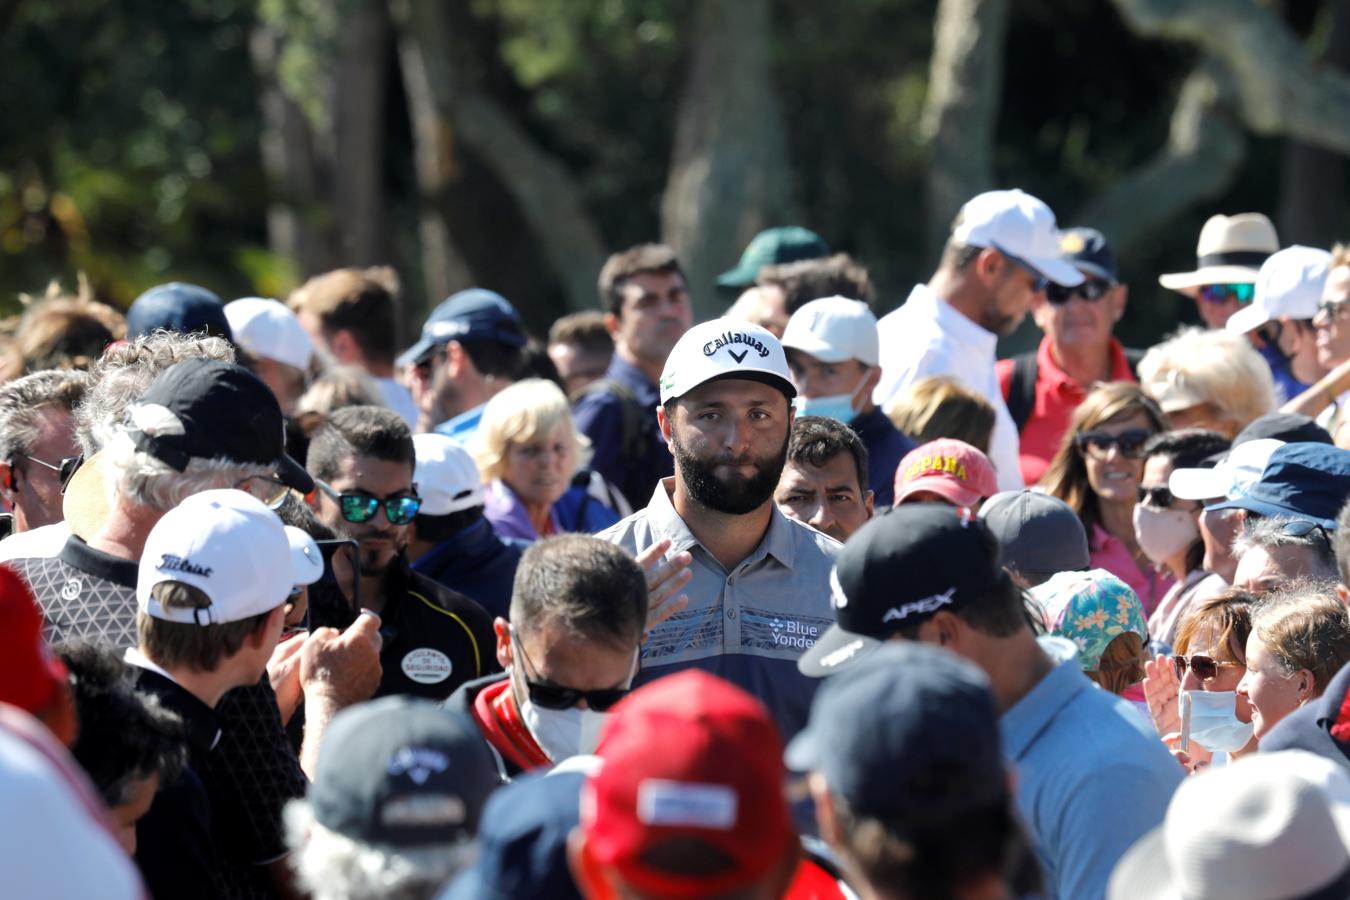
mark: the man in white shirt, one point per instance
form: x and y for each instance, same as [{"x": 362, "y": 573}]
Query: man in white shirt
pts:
[{"x": 1003, "y": 249}]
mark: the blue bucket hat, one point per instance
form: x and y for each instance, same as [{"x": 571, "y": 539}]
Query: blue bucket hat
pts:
[
  {"x": 1300, "y": 481},
  {"x": 474, "y": 314}
]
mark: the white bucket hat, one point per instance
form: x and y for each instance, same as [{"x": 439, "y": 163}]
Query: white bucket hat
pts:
[
  {"x": 1272, "y": 826},
  {"x": 1230, "y": 251}
]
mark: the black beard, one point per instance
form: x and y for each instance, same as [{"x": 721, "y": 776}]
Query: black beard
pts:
[{"x": 735, "y": 496}]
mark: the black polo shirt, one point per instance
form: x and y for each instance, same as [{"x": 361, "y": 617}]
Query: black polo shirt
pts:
[
  {"x": 435, "y": 639},
  {"x": 253, "y": 771},
  {"x": 175, "y": 847}
]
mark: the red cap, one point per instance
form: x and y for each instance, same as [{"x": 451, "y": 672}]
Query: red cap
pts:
[
  {"x": 29, "y": 672},
  {"x": 689, "y": 756},
  {"x": 952, "y": 469}
]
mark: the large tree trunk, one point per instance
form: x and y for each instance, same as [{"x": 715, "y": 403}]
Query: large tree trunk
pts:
[
  {"x": 446, "y": 108},
  {"x": 1205, "y": 147},
  {"x": 728, "y": 173},
  {"x": 1312, "y": 180},
  {"x": 961, "y": 110},
  {"x": 359, "y": 129}
]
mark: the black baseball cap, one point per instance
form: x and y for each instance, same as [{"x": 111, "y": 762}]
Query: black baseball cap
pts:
[
  {"x": 225, "y": 411},
  {"x": 1288, "y": 427},
  {"x": 897, "y": 571},
  {"x": 1087, "y": 251},
  {"x": 908, "y": 736},
  {"x": 402, "y": 772},
  {"x": 178, "y": 307}
]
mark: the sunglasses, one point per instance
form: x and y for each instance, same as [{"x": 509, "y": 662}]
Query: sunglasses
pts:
[
  {"x": 358, "y": 507},
  {"x": 1330, "y": 310},
  {"x": 1130, "y": 443},
  {"x": 270, "y": 490},
  {"x": 1302, "y": 528},
  {"x": 64, "y": 469},
  {"x": 555, "y": 696},
  {"x": 1204, "y": 667},
  {"x": 1157, "y": 497},
  {"x": 1091, "y": 290},
  {"x": 1222, "y": 293}
]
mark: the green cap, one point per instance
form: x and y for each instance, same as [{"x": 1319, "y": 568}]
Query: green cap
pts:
[{"x": 771, "y": 247}]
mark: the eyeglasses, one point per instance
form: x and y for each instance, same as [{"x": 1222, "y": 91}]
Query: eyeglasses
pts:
[
  {"x": 267, "y": 488},
  {"x": 1157, "y": 497},
  {"x": 555, "y": 696},
  {"x": 64, "y": 469},
  {"x": 1329, "y": 311},
  {"x": 1098, "y": 444},
  {"x": 359, "y": 507},
  {"x": 1091, "y": 290},
  {"x": 1222, "y": 293},
  {"x": 1205, "y": 668}
]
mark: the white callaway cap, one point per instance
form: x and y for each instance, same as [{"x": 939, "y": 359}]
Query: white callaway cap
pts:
[
  {"x": 1016, "y": 224},
  {"x": 231, "y": 547},
  {"x": 1231, "y": 478},
  {"x": 268, "y": 329},
  {"x": 725, "y": 348},
  {"x": 835, "y": 330},
  {"x": 447, "y": 479},
  {"x": 1289, "y": 284}
]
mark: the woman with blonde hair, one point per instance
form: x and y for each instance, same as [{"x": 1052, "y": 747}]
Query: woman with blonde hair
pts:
[
  {"x": 1096, "y": 471},
  {"x": 939, "y": 407},
  {"x": 1208, "y": 379},
  {"x": 531, "y": 457}
]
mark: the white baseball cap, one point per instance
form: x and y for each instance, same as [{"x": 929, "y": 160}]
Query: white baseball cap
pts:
[
  {"x": 231, "y": 547},
  {"x": 725, "y": 348},
  {"x": 834, "y": 330},
  {"x": 1017, "y": 225},
  {"x": 268, "y": 329},
  {"x": 1231, "y": 478},
  {"x": 1289, "y": 283},
  {"x": 447, "y": 479}
]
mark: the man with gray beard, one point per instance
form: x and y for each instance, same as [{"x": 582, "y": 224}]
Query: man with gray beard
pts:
[{"x": 758, "y": 582}]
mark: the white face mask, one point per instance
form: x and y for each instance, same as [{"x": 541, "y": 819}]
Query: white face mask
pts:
[
  {"x": 1214, "y": 722},
  {"x": 1163, "y": 533}
]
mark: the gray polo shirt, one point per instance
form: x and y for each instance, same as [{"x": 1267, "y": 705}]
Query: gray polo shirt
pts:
[{"x": 748, "y": 625}]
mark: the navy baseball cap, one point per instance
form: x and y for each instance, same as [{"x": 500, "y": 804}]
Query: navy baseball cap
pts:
[
  {"x": 178, "y": 307},
  {"x": 1087, "y": 251},
  {"x": 522, "y": 844},
  {"x": 896, "y": 571},
  {"x": 1300, "y": 481},
  {"x": 475, "y": 314},
  {"x": 402, "y": 772},
  {"x": 1321, "y": 727},
  {"x": 908, "y": 736}
]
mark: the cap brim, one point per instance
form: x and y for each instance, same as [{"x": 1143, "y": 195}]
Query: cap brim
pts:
[
  {"x": 835, "y": 651},
  {"x": 414, "y": 354},
  {"x": 306, "y": 558},
  {"x": 810, "y": 343},
  {"x": 1270, "y": 509},
  {"x": 943, "y": 487},
  {"x": 1057, "y": 270},
  {"x": 1198, "y": 484},
  {"x": 1092, "y": 269},
  {"x": 739, "y": 277},
  {"x": 1184, "y": 281},
  {"x": 85, "y": 505},
  {"x": 1144, "y": 871},
  {"x": 1248, "y": 318},
  {"x": 293, "y": 475}
]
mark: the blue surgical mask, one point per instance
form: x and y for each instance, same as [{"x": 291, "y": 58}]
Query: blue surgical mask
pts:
[
  {"x": 833, "y": 406},
  {"x": 1214, "y": 722}
]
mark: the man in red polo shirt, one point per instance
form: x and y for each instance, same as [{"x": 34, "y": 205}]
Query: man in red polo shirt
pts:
[{"x": 1042, "y": 389}]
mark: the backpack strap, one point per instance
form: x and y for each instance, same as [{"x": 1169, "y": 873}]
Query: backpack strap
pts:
[{"x": 1021, "y": 397}]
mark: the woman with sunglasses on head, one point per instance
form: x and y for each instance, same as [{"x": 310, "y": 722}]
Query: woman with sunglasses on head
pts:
[
  {"x": 1209, "y": 661},
  {"x": 1168, "y": 528},
  {"x": 1208, "y": 379},
  {"x": 530, "y": 453},
  {"x": 1096, "y": 471}
]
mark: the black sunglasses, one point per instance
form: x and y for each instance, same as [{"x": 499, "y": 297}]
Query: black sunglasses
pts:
[
  {"x": 555, "y": 696},
  {"x": 1099, "y": 443},
  {"x": 1091, "y": 290},
  {"x": 1302, "y": 528},
  {"x": 64, "y": 469},
  {"x": 359, "y": 507}
]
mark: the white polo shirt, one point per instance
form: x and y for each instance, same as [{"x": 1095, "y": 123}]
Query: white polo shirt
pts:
[{"x": 926, "y": 336}]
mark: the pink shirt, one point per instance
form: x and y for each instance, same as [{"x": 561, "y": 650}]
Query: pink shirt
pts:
[{"x": 1105, "y": 551}]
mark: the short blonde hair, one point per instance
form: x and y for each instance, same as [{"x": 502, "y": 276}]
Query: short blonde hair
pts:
[
  {"x": 940, "y": 407},
  {"x": 1216, "y": 367},
  {"x": 522, "y": 413}
]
